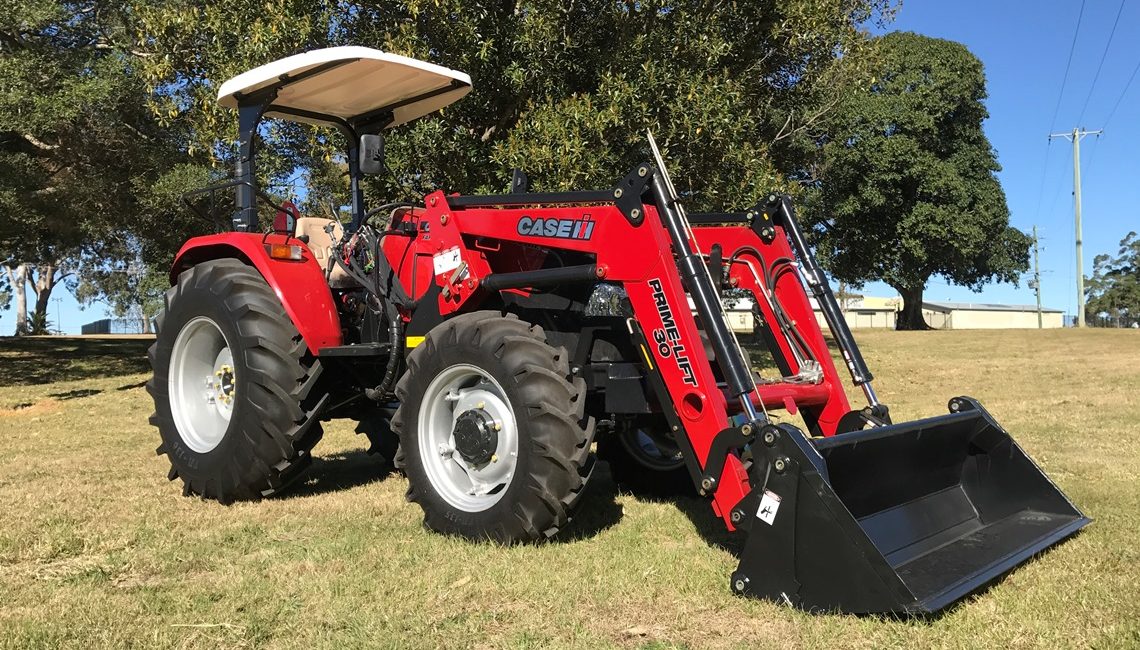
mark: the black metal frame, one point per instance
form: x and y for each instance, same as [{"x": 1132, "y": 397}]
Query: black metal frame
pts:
[{"x": 253, "y": 107}]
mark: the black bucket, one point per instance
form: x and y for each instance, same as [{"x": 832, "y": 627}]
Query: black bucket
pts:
[{"x": 906, "y": 518}]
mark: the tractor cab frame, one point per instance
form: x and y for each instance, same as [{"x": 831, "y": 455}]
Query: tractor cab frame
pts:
[{"x": 357, "y": 90}]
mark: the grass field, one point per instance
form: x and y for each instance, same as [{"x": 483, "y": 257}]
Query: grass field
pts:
[{"x": 98, "y": 549}]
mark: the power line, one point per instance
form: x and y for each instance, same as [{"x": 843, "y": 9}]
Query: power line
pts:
[
  {"x": 1100, "y": 65},
  {"x": 1119, "y": 99},
  {"x": 1065, "y": 79}
]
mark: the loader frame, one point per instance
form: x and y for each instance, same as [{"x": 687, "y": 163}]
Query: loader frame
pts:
[{"x": 855, "y": 514}]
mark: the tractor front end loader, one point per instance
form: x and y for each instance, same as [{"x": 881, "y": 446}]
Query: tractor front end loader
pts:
[{"x": 486, "y": 343}]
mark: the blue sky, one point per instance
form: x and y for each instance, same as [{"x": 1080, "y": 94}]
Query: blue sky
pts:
[{"x": 1024, "y": 46}]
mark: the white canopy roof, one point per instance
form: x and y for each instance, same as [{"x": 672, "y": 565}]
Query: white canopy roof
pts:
[{"x": 349, "y": 82}]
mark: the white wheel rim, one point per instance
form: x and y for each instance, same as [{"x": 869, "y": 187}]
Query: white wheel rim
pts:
[
  {"x": 202, "y": 384},
  {"x": 456, "y": 390}
]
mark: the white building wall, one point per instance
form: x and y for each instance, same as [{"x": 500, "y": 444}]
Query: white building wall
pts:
[{"x": 976, "y": 319}]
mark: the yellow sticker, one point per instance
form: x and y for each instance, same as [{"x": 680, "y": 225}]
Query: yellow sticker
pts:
[{"x": 413, "y": 341}]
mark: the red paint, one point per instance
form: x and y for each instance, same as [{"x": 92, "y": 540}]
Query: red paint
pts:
[{"x": 300, "y": 286}]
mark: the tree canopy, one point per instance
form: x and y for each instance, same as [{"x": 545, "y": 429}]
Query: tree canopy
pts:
[
  {"x": 562, "y": 90},
  {"x": 1113, "y": 291},
  {"x": 909, "y": 187},
  {"x": 79, "y": 147}
]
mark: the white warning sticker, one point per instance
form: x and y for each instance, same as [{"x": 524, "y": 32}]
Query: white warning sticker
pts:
[
  {"x": 447, "y": 260},
  {"x": 769, "y": 505}
]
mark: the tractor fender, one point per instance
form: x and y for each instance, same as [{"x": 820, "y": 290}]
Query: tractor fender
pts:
[{"x": 300, "y": 285}]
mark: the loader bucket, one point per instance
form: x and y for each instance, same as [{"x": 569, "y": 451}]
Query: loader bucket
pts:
[{"x": 905, "y": 518}]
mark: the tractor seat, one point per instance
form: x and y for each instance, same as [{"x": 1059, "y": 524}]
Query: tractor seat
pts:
[{"x": 321, "y": 244}]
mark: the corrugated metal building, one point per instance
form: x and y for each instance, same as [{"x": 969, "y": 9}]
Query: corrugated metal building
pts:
[{"x": 974, "y": 316}]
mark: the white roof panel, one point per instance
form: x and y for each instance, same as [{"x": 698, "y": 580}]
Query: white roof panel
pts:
[{"x": 348, "y": 82}]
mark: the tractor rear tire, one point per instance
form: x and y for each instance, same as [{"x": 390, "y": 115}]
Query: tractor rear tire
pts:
[
  {"x": 642, "y": 468},
  {"x": 492, "y": 429},
  {"x": 231, "y": 385}
]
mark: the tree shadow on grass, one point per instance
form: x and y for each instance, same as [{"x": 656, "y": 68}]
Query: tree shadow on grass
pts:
[
  {"x": 75, "y": 394},
  {"x": 45, "y": 360}
]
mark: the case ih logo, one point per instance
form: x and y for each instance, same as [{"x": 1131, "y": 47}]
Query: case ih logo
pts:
[
  {"x": 667, "y": 338},
  {"x": 560, "y": 228}
]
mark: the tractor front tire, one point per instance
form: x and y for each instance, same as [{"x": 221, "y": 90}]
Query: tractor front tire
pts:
[
  {"x": 492, "y": 426},
  {"x": 231, "y": 385}
]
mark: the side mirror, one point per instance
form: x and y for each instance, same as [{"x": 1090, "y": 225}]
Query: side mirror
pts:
[{"x": 371, "y": 154}]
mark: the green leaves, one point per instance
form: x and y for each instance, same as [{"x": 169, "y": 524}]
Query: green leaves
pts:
[
  {"x": 908, "y": 187},
  {"x": 1113, "y": 291}
]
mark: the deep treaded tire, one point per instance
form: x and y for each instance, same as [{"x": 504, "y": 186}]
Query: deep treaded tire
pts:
[
  {"x": 269, "y": 435},
  {"x": 554, "y": 437}
]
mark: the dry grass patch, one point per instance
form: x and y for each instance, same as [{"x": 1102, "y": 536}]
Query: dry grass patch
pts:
[{"x": 97, "y": 549}]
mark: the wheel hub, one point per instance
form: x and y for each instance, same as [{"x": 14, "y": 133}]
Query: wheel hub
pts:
[
  {"x": 475, "y": 437},
  {"x": 202, "y": 384},
  {"x": 468, "y": 437}
]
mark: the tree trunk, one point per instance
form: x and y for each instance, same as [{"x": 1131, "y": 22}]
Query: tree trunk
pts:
[
  {"x": 18, "y": 278},
  {"x": 910, "y": 318},
  {"x": 43, "y": 281}
]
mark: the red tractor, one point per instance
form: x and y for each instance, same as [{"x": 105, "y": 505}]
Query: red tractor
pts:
[{"x": 492, "y": 345}]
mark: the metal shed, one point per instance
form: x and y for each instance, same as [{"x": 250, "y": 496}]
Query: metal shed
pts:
[{"x": 975, "y": 315}]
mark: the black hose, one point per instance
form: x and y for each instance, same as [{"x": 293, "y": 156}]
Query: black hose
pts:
[{"x": 784, "y": 321}]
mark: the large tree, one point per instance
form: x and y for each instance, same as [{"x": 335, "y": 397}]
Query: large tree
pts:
[
  {"x": 907, "y": 188},
  {"x": 1114, "y": 289},
  {"x": 562, "y": 90},
  {"x": 79, "y": 147}
]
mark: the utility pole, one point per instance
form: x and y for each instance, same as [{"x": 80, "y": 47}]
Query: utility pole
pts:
[
  {"x": 1075, "y": 137},
  {"x": 58, "y": 319},
  {"x": 1037, "y": 276}
]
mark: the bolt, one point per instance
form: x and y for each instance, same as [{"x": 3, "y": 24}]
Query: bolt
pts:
[
  {"x": 739, "y": 585},
  {"x": 618, "y": 193},
  {"x": 432, "y": 202},
  {"x": 600, "y": 272},
  {"x": 734, "y": 281},
  {"x": 706, "y": 483},
  {"x": 954, "y": 406},
  {"x": 736, "y": 516},
  {"x": 481, "y": 405},
  {"x": 635, "y": 213},
  {"x": 494, "y": 458},
  {"x": 746, "y": 429},
  {"x": 470, "y": 284},
  {"x": 498, "y": 426},
  {"x": 769, "y": 438},
  {"x": 642, "y": 171},
  {"x": 445, "y": 450},
  {"x": 780, "y": 465},
  {"x": 443, "y": 219},
  {"x": 675, "y": 427}
]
